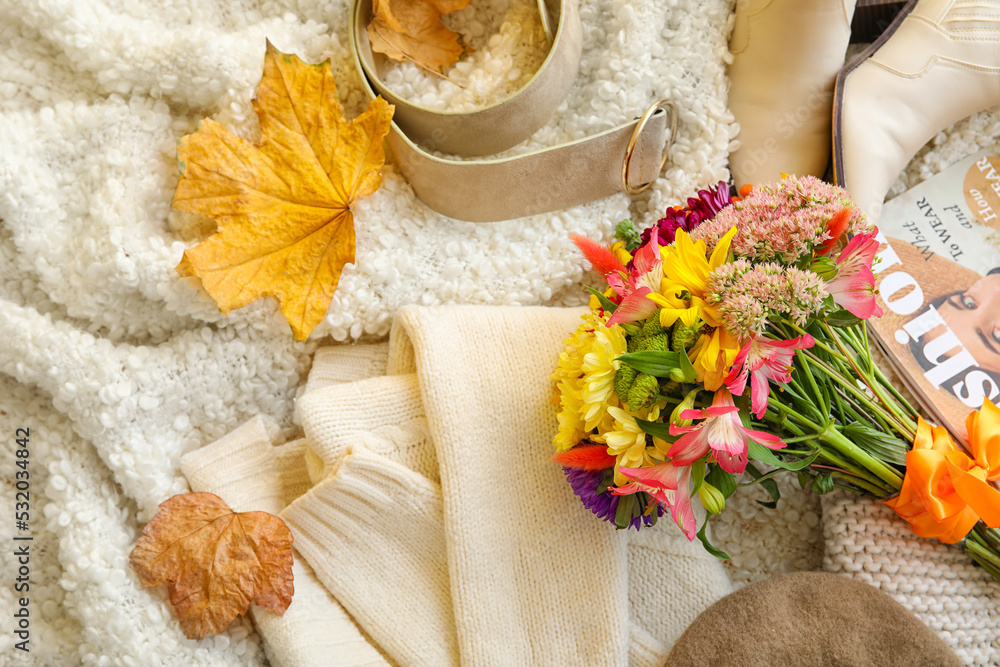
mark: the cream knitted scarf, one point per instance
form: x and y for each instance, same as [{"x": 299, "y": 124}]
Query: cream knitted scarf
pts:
[{"x": 437, "y": 519}]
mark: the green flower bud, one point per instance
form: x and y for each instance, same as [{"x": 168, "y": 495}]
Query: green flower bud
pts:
[
  {"x": 652, "y": 325},
  {"x": 658, "y": 341},
  {"x": 684, "y": 337},
  {"x": 711, "y": 498},
  {"x": 686, "y": 404},
  {"x": 824, "y": 267},
  {"x": 624, "y": 377},
  {"x": 643, "y": 392}
]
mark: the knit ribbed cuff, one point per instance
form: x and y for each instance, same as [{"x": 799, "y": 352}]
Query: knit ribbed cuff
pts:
[
  {"x": 346, "y": 363},
  {"x": 384, "y": 415},
  {"x": 239, "y": 468},
  {"x": 374, "y": 534},
  {"x": 250, "y": 474},
  {"x": 644, "y": 650},
  {"x": 290, "y": 461}
]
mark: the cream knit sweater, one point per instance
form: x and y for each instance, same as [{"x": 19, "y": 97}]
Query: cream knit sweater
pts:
[{"x": 437, "y": 519}]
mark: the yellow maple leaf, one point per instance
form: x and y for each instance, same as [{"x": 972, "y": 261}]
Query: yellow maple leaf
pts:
[
  {"x": 412, "y": 30},
  {"x": 215, "y": 561},
  {"x": 283, "y": 207}
]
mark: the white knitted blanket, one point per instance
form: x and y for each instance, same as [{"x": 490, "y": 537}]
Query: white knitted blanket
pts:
[{"x": 118, "y": 366}]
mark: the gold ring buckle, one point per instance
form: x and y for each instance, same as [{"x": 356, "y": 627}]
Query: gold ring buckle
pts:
[{"x": 671, "y": 108}]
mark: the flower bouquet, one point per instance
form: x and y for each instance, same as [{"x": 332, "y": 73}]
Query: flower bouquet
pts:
[{"x": 730, "y": 346}]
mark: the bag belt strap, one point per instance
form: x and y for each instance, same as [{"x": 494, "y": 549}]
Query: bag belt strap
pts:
[{"x": 551, "y": 179}]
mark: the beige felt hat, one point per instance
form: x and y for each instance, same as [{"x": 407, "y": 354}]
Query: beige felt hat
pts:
[{"x": 813, "y": 619}]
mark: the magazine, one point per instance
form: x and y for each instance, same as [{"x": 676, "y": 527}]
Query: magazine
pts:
[{"x": 938, "y": 282}]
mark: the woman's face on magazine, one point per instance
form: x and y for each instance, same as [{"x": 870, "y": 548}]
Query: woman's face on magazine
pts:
[{"x": 974, "y": 316}]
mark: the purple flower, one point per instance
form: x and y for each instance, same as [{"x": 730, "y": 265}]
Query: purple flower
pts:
[
  {"x": 604, "y": 504},
  {"x": 698, "y": 210}
]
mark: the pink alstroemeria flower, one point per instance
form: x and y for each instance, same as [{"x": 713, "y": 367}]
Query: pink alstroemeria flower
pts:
[
  {"x": 669, "y": 485},
  {"x": 763, "y": 359},
  {"x": 853, "y": 287},
  {"x": 643, "y": 279},
  {"x": 721, "y": 432}
]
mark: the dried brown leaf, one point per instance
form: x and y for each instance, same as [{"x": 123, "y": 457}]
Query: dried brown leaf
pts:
[
  {"x": 412, "y": 30},
  {"x": 215, "y": 561}
]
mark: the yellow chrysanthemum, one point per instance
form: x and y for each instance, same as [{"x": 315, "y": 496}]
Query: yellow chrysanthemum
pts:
[
  {"x": 599, "y": 367},
  {"x": 714, "y": 355},
  {"x": 570, "y": 416},
  {"x": 584, "y": 380},
  {"x": 629, "y": 443},
  {"x": 568, "y": 377}
]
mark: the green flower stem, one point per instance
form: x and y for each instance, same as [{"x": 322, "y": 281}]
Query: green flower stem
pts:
[
  {"x": 859, "y": 395},
  {"x": 845, "y": 487},
  {"x": 800, "y": 397},
  {"x": 827, "y": 454},
  {"x": 843, "y": 445},
  {"x": 876, "y": 387},
  {"x": 799, "y": 438},
  {"x": 876, "y": 491},
  {"x": 856, "y": 412},
  {"x": 905, "y": 424},
  {"x": 855, "y": 473},
  {"x": 979, "y": 551},
  {"x": 990, "y": 535},
  {"x": 821, "y": 397},
  {"x": 883, "y": 381}
]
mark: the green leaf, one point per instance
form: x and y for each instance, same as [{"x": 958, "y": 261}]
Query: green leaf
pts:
[
  {"x": 718, "y": 553},
  {"x": 766, "y": 484},
  {"x": 766, "y": 456},
  {"x": 657, "y": 363},
  {"x": 606, "y": 480},
  {"x": 883, "y": 446},
  {"x": 606, "y": 303},
  {"x": 842, "y": 318},
  {"x": 822, "y": 484},
  {"x": 687, "y": 368},
  {"x": 697, "y": 475},
  {"x": 722, "y": 480},
  {"x": 627, "y": 507},
  {"x": 657, "y": 429}
]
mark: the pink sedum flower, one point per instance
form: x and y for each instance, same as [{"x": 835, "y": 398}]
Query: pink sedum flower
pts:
[
  {"x": 785, "y": 221},
  {"x": 669, "y": 485},
  {"x": 853, "y": 287},
  {"x": 764, "y": 360},
  {"x": 632, "y": 286},
  {"x": 721, "y": 433}
]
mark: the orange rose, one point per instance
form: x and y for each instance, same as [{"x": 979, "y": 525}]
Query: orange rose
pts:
[{"x": 944, "y": 491}]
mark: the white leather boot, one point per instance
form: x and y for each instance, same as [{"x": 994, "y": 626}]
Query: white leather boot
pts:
[
  {"x": 939, "y": 63},
  {"x": 786, "y": 55}
]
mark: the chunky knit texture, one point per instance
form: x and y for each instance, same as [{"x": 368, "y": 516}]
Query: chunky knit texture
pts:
[{"x": 865, "y": 540}]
